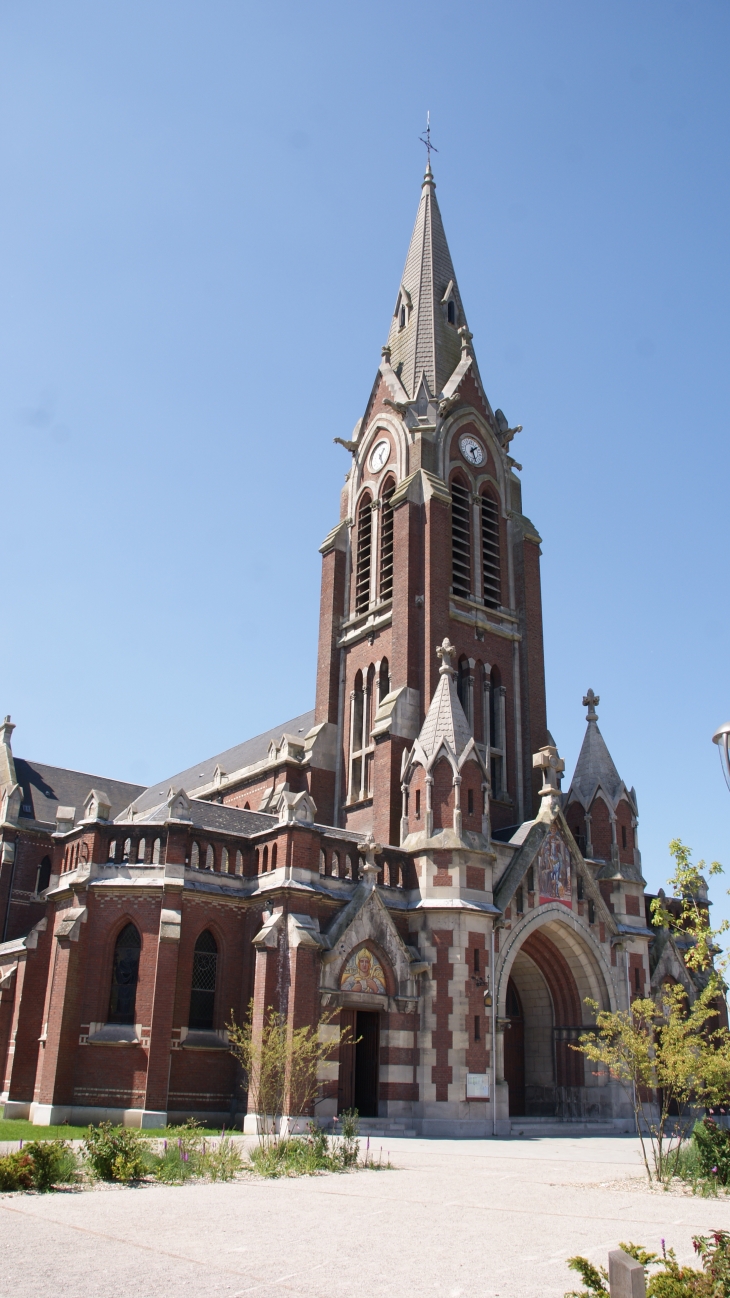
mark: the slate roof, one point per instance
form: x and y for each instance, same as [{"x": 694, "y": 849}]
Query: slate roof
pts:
[
  {"x": 595, "y": 768},
  {"x": 233, "y": 759},
  {"x": 47, "y": 787},
  {"x": 445, "y": 719},
  {"x": 428, "y": 343},
  {"x": 212, "y": 816}
]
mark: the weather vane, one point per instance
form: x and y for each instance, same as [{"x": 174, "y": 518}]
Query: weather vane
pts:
[{"x": 426, "y": 138}]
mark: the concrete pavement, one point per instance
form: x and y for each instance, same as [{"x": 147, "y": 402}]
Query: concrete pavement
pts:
[{"x": 458, "y": 1218}]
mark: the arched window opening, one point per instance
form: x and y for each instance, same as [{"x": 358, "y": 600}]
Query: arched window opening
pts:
[
  {"x": 265, "y": 864},
  {"x": 386, "y": 542},
  {"x": 127, "y": 849},
  {"x": 402, "y": 317},
  {"x": 239, "y": 863},
  {"x": 460, "y": 540},
  {"x": 465, "y": 688},
  {"x": 273, "y": 857},
  {"x": 519, "y": 901},
  {"x": 335, "y": 865},
  {"x": 360, "y": 866},
  {"x": 348, "y": 867},
  {"x": 84, "y": 851},
  {"x": 364, "y": 551},
  {"x": 451, "y": 311},
  {"x": 141, "y": 849},
  {"x": 202, "y": 994},
  {"x": 394, "y": 874},
  {"x": 322, "y": 863},
  {"x": 157, "y": 851},
  {"x": 44, "y": 874},
  {"x": 113, "y": 850},
  {"x": 247, "y": 806},
  {"x": 491, "y": 577},
  {"x": 224, "y": 860},
  {"x": 383, "y": 681},
  {"x": 124, "y": 976},
  {"x": 496, "y": 737},
  {"x": 256, "y": 860},
  {"x": 195, "y": 857},
  {"x": 210, "y": 857}
]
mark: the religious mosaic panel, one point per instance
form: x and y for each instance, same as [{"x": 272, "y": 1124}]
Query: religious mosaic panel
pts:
[
  {"x": 553, "y": 869},
  {"x": 363, "y": 972}
]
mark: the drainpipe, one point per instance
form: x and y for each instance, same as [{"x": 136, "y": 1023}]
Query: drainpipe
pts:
[{"x": 493, "y": 974}]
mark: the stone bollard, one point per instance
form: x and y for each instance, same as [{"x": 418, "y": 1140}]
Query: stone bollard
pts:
[{"x": 625, "y": 1276}]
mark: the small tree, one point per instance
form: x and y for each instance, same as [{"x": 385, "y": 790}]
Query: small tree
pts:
[
  {"x": 281, "y": 1066},
  {"x": 669, "y": 1048}
]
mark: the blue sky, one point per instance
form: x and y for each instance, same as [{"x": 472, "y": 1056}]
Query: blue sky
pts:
[{"x": 205, "y": 212}]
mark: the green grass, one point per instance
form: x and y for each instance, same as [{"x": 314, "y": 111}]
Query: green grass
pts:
[{"x": 19, "y": 1129}]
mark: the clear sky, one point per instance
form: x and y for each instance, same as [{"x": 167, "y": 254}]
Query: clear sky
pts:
[{"x": 204, "y": 214}]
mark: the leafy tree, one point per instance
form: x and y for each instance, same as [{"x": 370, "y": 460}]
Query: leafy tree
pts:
[
  {"x": 281, "y": 1065},
  {"x": 670, "y": 1050}
]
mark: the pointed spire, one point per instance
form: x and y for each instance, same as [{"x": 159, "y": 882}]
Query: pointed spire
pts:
[
  {"x": 595, "y": 766},
  {"x": 445, "y": 719},
  {"x": 424, "y": 337}
]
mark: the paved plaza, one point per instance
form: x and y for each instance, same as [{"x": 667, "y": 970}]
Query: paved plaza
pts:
[{"x": 477, "y": 1218}]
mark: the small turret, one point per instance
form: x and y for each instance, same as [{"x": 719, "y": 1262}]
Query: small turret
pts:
[{"x": 601, "y": 811}]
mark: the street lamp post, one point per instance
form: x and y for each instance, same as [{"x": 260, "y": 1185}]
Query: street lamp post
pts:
[{"x": 721, "y": 737}]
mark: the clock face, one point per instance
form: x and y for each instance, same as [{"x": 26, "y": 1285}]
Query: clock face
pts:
[
  {"x": 472, "y": 450},
  {"x": 379, "y": 456}
]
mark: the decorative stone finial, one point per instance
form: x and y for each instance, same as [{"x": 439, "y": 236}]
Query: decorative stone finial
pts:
[
  {"x": 552, "y": 766},
  {"x": 6, "y": 729},
  {"x": 466, "y": 337},
  {"x": 591, "y": 702},
  {"x": 445, "y": 651}
]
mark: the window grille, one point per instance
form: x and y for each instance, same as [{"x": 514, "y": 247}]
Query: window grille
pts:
[
  {"x": 364, "y": 548},
  {"x": 490, "y": 553},
  {"x": 460, "y": 540},
  {"x": 386, "y": 545},
  {"x": 124, "y": 976},
  {"x": 202, "y": 993}
]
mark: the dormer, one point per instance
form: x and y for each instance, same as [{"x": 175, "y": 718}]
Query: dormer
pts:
[
  {"x": 296, "y": 808},
  {"x": 97, "y": 806}
]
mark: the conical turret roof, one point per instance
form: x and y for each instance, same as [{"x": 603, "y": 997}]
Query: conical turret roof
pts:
[
  {"x": 422, "y": 339},
  {"x": 595, "y": 767},
  {"x": 445, "y": 719}
]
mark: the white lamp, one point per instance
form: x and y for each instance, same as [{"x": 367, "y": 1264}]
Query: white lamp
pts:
[{"x": 721, "y": 737}]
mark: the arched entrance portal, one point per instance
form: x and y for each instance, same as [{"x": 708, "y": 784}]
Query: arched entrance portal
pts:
[{"x": 544, "y": 1013}]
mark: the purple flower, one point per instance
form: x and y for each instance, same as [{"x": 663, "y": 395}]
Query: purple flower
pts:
[{"x": 714, "y": 1169}]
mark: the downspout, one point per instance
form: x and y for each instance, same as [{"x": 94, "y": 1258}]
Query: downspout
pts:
[{"x": 494, "y": 1031}]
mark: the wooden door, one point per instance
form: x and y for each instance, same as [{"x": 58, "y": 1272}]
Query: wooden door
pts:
[
  {"x": 514, "y": 1053},
  {"x": 346, "y": 1085},
  {"x": 367, "y": 1063}
]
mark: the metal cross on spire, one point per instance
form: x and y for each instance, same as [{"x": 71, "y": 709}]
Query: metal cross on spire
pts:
[
  {"x": 426, "y": 139},
  {"x": 591, "y": 702}
]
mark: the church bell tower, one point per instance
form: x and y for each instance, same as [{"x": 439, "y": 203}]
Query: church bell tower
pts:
[{"x": 431, "y": 547}]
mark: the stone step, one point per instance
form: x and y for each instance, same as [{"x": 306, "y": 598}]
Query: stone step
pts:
[{"x": 558, "y": 1127}]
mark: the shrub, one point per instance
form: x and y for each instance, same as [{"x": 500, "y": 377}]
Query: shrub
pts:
[
  {"x": 116, "y": 1153},
  {"x": 669, "y": 1280},
  {"x": 222, "y": 1161},
  {"x": 16, "y": 1171},
  {"x": 349, "y": 1147},
  {"x": 54, "y": 1163},
  {"x": 713, "y": 1149}
]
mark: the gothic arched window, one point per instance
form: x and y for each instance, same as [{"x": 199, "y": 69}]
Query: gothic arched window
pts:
[
  {"x": 156, "y": 851},
  {"x": 386, "y": 541},
  {"x": 195, "y": 856},
  {"x": 224, "y": 860},
  {"x": 239, "y": 863},
  {"x": 44, "y": 874},
  {"x": 202, "y": 992},
  {"x": 210, "y": 858},
  {"x": 364, "y": 551},
  {"x": 460, "y": 539},
  {"x": 451, "y": 311},
  {"x": 141, "y": 848},
  {"x": 491, "y": 576},
  {"x": 383, "y": 680},
  {"x": 124, "y": 976}
]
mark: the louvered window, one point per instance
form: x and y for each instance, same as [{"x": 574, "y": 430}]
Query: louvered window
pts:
[
  {"x": 386, "y": 545},
  {"x": 364, "y": 548},
  {"x": 490, "y": 553},
  {"x": 202, "y": 994},
  {"x": 460, "y": 540}
]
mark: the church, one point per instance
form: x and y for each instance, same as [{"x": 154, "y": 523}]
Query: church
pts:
[{"x": 403, "y": 858}]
